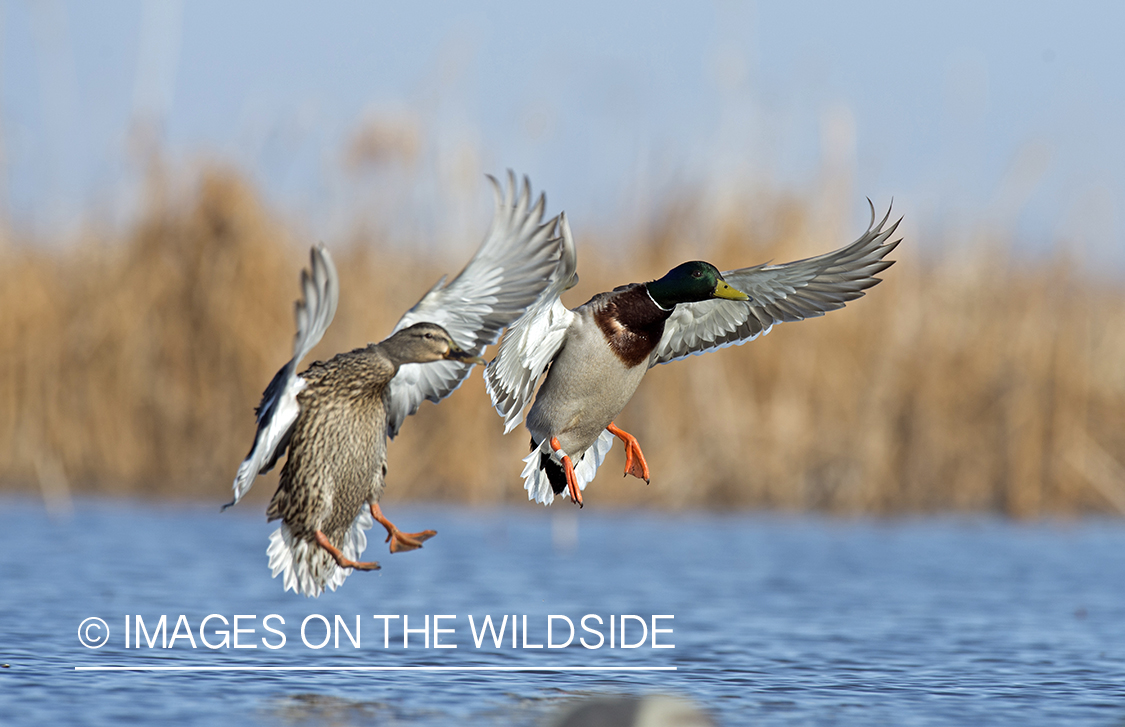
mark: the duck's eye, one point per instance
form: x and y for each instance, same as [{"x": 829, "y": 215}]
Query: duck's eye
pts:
[
  {"x": 428, "y": 336},
  {"x": 697, "y": 273}
]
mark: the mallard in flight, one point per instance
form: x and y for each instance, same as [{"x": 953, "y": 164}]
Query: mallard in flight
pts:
[
  {"x": 598, "y": 353},
  {"x": 335, "y": 417}
]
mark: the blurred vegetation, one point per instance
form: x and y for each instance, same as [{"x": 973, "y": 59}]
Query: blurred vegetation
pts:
[{"x": 969, "y": 381}]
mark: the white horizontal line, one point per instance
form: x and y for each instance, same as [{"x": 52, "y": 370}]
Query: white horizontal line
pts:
[{"x": 375, "y": 668}]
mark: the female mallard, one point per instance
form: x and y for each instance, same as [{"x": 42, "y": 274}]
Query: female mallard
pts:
[
  {"x": 599, "y": 352},
  {"x": 335, "y": 417}
]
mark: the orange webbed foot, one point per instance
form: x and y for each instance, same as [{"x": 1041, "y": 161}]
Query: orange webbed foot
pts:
[
  {"x": 400, "y": 542},
  {"x": 634, "y": 459},
  {"x": 322, "y": 541},
  {"x": 568, "y": 468}
]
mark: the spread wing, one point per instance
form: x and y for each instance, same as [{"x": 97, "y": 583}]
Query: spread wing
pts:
[
  {"x": 507, "y": 274},
  {"x": 533, "y": 341},
  {"x": 778, "y": 293},
  {"x": 320, "y": 286}
]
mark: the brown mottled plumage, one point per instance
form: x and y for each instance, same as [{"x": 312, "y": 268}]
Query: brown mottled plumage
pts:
[
  {"x": 338, "y": 447},
  {"x": 334, "y": 419},
  {"x": 338, "y": 443}
]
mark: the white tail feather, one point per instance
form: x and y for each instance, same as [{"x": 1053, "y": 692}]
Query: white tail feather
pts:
[
  {"x": 535, "y": 479},
  {"x": 308, "y": 568}
]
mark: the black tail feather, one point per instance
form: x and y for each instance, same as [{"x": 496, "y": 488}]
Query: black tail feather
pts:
[{"x": 556, "y": 475}]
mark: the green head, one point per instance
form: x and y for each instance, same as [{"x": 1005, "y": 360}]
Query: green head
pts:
[{"x": 690, "y": 283}]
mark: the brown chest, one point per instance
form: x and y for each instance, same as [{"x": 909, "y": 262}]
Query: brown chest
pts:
[{"x": 632, "y": 324}]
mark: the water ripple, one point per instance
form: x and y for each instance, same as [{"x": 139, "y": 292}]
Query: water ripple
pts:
[{"x": 777, "y": 620}]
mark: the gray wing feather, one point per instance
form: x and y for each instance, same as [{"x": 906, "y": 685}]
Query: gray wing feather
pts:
[
  {"x": 533, "y": 340},
  {"x": 507, "y": 274},
  {"x": 778, "y": 294},
  {"x": 320, "y": 287}
]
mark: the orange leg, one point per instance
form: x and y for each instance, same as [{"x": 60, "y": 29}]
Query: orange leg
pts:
[
  {"x": 636, "y": 467},
  {"x": 341, "y": 561},
  {"x": 399, "y": 540},
  {"x": 568, "y": 467}
]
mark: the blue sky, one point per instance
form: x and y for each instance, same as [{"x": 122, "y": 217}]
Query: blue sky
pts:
[{"x": 1005, "y": 117}]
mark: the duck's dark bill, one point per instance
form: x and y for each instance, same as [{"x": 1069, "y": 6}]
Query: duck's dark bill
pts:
[
  {"x": 723, "y": 289},
  {"x": 456, "y": 354}
]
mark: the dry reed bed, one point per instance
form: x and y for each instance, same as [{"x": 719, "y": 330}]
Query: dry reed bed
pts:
[{"x": 965, "y": 383}]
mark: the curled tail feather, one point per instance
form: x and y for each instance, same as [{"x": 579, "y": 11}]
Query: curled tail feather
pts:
[{"x": 537, "y": 480}]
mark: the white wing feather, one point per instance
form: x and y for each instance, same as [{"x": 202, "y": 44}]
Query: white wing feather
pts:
[
  {"x": 778, "y": 293},
  {"x": 279, "y": 408},
  {"x": 533, "y": 341},
  {"x": 507, "y": 274}
]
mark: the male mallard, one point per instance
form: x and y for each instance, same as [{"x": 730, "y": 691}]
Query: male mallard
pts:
[
  {"x": 599, "y": 352},
  {"x": 335, "y": 417}
]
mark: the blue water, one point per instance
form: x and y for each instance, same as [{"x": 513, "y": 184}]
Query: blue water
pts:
[{"x": 777, "y": 619}]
